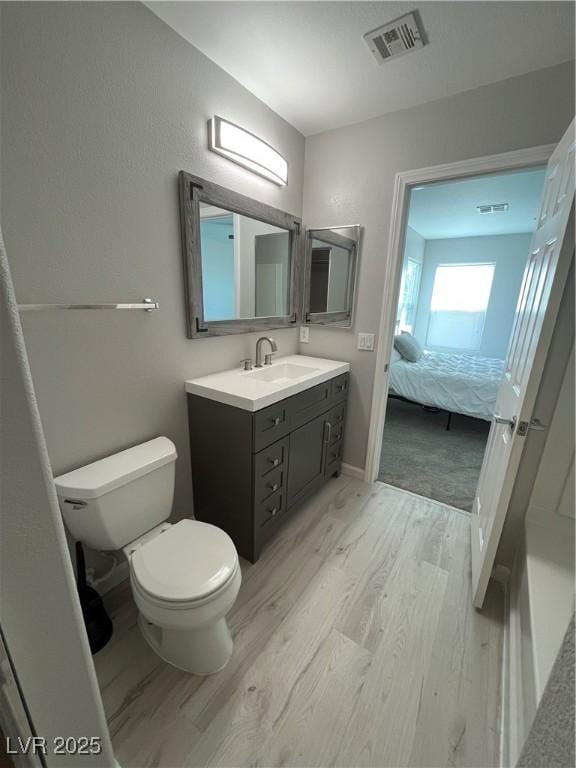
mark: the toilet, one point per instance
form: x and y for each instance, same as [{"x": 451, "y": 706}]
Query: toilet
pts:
[{"x": 185, "y": 576}]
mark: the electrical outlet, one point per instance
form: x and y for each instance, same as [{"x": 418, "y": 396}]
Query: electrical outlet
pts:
[
  {"x": 304, "y": 334},
  {"x": 366, "y": 341}
]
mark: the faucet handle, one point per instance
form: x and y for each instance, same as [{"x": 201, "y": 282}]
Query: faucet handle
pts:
[
  {"x": 247, "y": 363},
  {"x": 268, "y": 358}
]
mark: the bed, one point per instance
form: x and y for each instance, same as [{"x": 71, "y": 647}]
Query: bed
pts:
[{"x": 457, "y": 383}]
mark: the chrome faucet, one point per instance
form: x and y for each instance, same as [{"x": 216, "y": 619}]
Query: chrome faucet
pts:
[{"x": 268, "y": 357}]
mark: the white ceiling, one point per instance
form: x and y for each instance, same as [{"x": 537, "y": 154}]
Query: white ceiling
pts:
[
  {"x": 448, "y": 209},
  {"x": 309, "y": 63}
]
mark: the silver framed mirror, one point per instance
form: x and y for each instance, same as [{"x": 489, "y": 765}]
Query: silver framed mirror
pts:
[
  {"x": 332, "y": 255},
  {"x": 241, "y": 261}
]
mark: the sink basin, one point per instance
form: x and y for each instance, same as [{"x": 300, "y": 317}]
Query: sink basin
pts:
[
  {"x": 282, "y": 371},
  {"x": 253, "y": 390}
]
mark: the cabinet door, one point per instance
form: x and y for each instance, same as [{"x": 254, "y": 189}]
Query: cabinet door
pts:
[{"x": 306, "y": 461}]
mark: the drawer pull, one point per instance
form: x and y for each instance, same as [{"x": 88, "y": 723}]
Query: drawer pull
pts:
[
  {"x": 327, "y": 431},
  {"x": 275, "y": 421},
  {"x": 273, "y": 486},
  {"x": 273, "y": 512},
  {"x": 274, "y": 462}
]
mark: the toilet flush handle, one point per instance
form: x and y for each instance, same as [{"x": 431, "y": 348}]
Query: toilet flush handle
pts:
[{"x": 76, "y": 504}]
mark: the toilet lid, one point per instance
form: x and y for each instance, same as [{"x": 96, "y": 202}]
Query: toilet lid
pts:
[{"x": 186, "y": 562}]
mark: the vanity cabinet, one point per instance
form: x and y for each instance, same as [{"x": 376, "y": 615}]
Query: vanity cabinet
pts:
[{"x": 252, "y": 470}]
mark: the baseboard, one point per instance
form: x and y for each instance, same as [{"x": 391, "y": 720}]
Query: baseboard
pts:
[{"x": 351, "y": 471}]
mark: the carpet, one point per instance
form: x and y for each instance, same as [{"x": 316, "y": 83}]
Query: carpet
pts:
[{"x": 420, "y": 455}]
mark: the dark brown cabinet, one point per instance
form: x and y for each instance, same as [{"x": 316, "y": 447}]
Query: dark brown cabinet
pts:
[{"x": 251, "y": 471}]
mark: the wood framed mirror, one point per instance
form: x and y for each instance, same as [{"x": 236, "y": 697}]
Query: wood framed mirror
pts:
[
  {"x": 331, "y": 270},
  {"x": 241, "y": 261}
]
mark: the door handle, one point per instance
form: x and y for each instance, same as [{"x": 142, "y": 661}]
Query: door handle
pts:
[
  {"x": 535, "y": 425},
  {"x": 327, "y": 431},
  {"x": 498, "y": 419}
]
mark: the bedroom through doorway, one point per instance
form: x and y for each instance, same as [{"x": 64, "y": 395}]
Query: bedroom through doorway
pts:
[{"x": 466, "y": 247}]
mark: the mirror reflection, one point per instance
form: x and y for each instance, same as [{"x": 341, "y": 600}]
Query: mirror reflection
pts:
[
  {"x": 332, "y": 263},
  {"x": 246, "y": 266}
]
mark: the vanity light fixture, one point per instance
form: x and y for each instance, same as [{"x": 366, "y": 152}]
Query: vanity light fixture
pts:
[{"x": 246, "y": 149}]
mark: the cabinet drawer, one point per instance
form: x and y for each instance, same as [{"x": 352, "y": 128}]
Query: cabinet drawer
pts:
[
  {"x": 309, "y": 404},
  {"x": 336, "y": 433},
  {"x": 269, "y": 510},
  {"x": 270, "y": 458},
  {"x": 268, "y": 484},
  {"x": 270, "y": 424},
  {"x": 339, "y": 387},
  {"x": 333, "y": 458},
  {"x": 336, "y": 417}
]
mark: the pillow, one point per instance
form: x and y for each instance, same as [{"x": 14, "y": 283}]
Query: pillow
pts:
[
  {"x": 395, "y": 355},
  {"x": 408, "y": 346}
]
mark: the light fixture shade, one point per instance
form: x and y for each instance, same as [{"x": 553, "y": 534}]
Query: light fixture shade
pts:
[{"x": 246, "y": 149}]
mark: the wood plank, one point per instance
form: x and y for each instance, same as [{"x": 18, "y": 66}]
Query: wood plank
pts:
[
  {"x": 382, "y": 728},
  {"x": 355, "y": 644},
  {"x": 271, "y": 588},
  {"x": 311, "y": 733},
  {"x": 250, "y": 716}
]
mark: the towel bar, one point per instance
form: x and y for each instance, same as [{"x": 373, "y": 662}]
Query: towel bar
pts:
[{"x": 148, "y": 305}]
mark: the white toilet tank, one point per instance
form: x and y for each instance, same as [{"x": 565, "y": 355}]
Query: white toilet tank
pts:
[{"x": 111, "y": 502}]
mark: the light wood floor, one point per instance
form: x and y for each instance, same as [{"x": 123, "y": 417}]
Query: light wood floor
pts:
[{"x": 356, "y": 644}]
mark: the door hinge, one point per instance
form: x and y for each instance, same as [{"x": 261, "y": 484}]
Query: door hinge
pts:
[{"x": 535, "y": 426}]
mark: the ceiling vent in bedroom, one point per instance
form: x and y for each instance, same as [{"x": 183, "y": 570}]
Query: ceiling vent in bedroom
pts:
[
  {"x": 400, "y": 36},
  {"x": 493, "y": 208}
]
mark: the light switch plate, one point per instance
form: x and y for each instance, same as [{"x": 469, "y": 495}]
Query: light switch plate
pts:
[
  {"x": 304, "y": 334},
  {"x": 366, "y": 342}
]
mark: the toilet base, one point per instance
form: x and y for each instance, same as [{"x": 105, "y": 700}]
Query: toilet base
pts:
[{"x": 202, "y": 651}]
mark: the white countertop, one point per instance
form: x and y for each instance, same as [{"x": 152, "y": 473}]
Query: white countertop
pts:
[{"x": 247, "y": 390}]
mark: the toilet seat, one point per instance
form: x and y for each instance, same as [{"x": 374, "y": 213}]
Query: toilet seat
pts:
[{"x": 187, "y": 564}]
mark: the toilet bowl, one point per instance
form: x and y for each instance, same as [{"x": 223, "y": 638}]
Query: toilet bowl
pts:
[
  {"x": 184, "y": 582},
  {"x": 185, "y": 577}
]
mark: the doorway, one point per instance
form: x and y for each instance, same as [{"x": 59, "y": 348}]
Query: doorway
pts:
[
  {"x": 405, "y": 182},
  {"x": 525, "y": 385},
  {"x": 466, "y": 247}
]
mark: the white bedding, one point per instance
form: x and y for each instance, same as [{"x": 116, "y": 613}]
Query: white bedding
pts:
[{"x": 458, "y": 383}]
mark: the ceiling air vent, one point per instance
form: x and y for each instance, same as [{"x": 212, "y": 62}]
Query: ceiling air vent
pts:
[
  {"x": 396, "y": 38},
  {"x": 494, "y": 208}
]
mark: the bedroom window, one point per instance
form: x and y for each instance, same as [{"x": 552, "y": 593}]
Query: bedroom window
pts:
[
  {"x": 408, "y": 299},
  {"x": 458, "y": 307}
]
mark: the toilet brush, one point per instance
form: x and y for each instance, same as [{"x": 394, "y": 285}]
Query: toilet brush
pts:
[{"x": 96, "y": 620}]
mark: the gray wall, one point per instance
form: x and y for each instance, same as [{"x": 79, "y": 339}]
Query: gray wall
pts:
[
  {"x": 350, "y": 177},
  {"x": 103, "y": 104},
  {"x": 509, "y": 254}
]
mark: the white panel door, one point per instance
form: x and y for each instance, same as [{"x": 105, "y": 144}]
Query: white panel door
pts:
[{"x": 540, "y": 295}]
